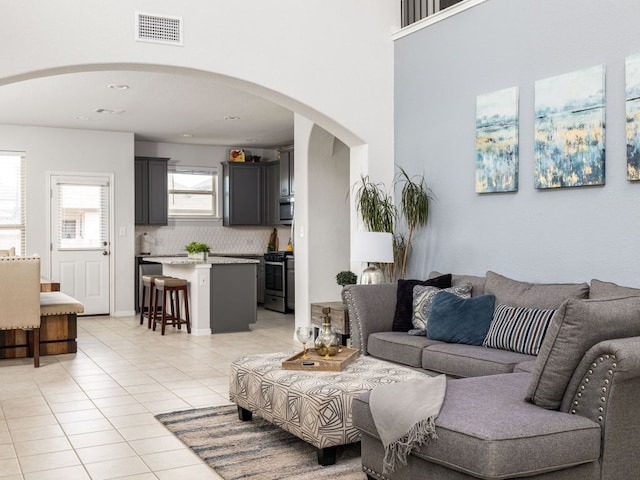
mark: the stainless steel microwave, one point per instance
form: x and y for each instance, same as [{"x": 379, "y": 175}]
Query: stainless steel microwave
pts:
[{"x": 285, "y": 213}]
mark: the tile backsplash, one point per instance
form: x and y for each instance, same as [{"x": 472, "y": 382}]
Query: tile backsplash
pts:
[{"x": 172, "y": 239}]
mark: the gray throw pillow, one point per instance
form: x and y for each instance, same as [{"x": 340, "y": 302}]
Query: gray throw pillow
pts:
[
  {"x": 577, "y": 326},
  {"x": 544, "y": 296},
  {"x": 422, "y": 299},
  {"x": 601, "y": 289}
]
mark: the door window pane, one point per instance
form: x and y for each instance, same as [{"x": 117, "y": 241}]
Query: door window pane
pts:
[{"x": 81, "y": 210}]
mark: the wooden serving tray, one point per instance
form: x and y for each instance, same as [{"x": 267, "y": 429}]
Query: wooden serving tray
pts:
[{"x": 337, "y": 363}]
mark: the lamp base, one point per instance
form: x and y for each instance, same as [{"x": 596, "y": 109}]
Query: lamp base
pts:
[{"x": 372, "y": 275}]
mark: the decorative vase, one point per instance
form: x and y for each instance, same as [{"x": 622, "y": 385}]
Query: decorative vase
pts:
[
  {"x": 327, "y": 342},
  {"x": 197, "y": 255}
]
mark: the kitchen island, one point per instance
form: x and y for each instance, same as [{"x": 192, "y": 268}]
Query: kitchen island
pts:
[{"x": 222, "y": 291}]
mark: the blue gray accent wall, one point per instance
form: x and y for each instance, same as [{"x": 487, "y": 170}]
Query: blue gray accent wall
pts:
[{"x": 573, "y": 234}]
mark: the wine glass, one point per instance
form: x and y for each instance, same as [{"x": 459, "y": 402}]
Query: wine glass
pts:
[{"x": 304, "y": 335}]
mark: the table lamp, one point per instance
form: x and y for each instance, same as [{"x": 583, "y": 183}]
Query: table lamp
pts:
[{"x": 372, "y": 247}]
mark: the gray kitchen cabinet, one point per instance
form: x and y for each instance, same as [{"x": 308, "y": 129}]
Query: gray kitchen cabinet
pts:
[
  {"x": 251, "y": 193},
  {"x": 291, "y": 283},
  {"x": 151, "y": 191},
  {"x": 272, "y": 190},
  {"x": 243, "y": 192},
  {"x": 287, "y": 173},
  {"x": 260, "y": 280}
]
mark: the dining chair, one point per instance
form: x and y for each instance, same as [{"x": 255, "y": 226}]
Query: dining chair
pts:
[{"x": 20, "y": 299}]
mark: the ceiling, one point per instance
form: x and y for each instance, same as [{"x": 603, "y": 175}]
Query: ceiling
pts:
[{"x": 157, "y": 107}]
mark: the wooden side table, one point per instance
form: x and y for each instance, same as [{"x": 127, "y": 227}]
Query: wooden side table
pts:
[{"x": 339, "y": 319}]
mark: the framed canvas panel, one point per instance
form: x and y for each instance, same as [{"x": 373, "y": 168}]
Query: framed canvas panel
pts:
[
  {"x": 632, "y": 96},
  {"x": 570, "y": 130},
  {"x": 497, "y": 141}
]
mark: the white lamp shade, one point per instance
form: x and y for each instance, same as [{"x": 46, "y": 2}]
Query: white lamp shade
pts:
[{"x": 373, "y": 247}]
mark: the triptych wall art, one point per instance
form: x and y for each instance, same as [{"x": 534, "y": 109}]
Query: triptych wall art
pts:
[{"x": 569, "y": 148}]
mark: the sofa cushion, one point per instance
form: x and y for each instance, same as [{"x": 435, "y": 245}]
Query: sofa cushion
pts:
[
  {"x": 404, "y": 300},
  {"x": 601, "y": 289},
  {"x": 423, "y": 298},
  {"x": 459, "y": 320},
  {"x": 486, "y": 430},
  {"x": 576, "y": 327},
  {"x": 518, "y": 329},
  {"x": 460, "y": 360},
  {"x": 477, "y": 283},
  {"x": 532, "y": 295},
  {"x": 398, "y": 347}
]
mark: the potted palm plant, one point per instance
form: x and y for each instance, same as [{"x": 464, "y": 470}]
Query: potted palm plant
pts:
[
  {"x": 197, "y": 250},
  {"x": 379, "y": 214}
]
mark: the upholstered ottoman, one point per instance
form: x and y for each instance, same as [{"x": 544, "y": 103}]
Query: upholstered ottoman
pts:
[{"x": 314, "y": 406}]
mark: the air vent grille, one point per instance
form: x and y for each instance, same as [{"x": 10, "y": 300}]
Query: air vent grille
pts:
[{"x": 158, "y": 29}]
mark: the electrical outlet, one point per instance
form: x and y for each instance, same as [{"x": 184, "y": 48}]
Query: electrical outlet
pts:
[
  {"x": 249, "y": 242},
  {"x": 159, "y": 242},
  {"x": 202, "y": 281}
]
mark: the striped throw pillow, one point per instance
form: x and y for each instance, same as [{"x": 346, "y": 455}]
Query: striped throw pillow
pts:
[{"x": 518, "y": 329}]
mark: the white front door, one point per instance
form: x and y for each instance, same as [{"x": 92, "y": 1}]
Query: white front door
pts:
[{"x": 80, "y": 239}]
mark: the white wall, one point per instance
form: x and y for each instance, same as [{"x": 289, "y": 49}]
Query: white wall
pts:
[
  {"x": 573, "y": 234},
  {"x": 62, "y": 150}
]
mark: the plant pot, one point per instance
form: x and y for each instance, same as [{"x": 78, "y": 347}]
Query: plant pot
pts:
[{"x": 198, "y": 256}]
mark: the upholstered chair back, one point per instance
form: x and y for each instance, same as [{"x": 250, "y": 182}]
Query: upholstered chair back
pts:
[
  {"x": 19, "y": 292},
  {"x": 11, "y": 252}
]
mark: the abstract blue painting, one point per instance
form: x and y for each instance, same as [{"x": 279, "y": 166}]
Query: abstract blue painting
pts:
[
  {"x": 570, "y": 130},
  {"x": 633, "y": 116},
  {"x": 497, "y": 141}
]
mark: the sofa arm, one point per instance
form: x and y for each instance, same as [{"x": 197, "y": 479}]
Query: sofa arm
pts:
[
  {"x": 371, "y": 310},
  {"x": 605, "y": 388}
]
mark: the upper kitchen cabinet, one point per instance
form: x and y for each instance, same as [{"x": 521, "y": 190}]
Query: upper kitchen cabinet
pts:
[
  {"x": 286, "y": 173},
  {"x": 243, "y": 191},
  {"x": 272, "y": 193},
  {"x": 151, "y": 190}
]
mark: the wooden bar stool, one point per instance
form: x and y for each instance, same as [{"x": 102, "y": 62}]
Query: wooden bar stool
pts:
[
  {"x": 172, "y": 287},
  {"x": 149, "y": 285}
]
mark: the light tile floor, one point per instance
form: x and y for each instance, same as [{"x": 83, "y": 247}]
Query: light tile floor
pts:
[{"x": 90, "y": 415}]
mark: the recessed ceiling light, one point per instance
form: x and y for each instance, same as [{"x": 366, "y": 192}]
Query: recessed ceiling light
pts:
[
  {"x": 250, "y": 140},
  {"x": 81, "y": 117},
  {"x": 186, "y": 135},
  {"x": 108, "y": 111},
  {"x": 231, "y": 117},
  {"x": 118, "y": 87}
]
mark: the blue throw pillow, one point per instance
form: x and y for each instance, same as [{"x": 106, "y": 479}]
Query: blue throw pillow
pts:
[{"x": 458, "y": 320}]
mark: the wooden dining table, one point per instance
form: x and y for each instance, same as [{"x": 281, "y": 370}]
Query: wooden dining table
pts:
[{"x": 47, "y": 285}]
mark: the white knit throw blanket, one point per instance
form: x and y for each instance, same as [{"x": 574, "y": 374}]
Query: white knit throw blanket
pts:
[{"x": 405, "y": 415}]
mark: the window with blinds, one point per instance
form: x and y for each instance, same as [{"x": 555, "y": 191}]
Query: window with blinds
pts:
[
  {"x": 192, "y": 192},
  {"x": 82, "y": 213},
  {"x": 12, "y": 202}
]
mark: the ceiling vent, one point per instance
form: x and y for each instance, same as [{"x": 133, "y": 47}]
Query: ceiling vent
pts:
[{"x": 158, "y": 29}]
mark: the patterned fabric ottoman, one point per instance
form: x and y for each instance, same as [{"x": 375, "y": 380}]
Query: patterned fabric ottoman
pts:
[{"x": 314, "y": 406}]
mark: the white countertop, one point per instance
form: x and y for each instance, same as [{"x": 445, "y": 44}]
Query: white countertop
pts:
[{"x": 190, "y": 261}]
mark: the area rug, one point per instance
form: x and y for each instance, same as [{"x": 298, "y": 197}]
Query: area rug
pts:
[{"x": 256, "y": 449}]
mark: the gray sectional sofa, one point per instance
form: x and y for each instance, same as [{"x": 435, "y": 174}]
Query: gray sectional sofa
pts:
[{"x": 570, "y": 412}]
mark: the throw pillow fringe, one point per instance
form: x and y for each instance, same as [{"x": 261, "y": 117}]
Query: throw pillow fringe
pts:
[{"x": 396, "y": 453}]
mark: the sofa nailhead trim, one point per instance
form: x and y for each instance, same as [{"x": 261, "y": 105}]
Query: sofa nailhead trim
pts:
[
  {"x": 368, "y": 470},
  {"x": 603, "y": 389}
]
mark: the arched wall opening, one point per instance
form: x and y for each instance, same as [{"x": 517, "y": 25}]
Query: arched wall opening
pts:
[{"x": 328, "y": 159}]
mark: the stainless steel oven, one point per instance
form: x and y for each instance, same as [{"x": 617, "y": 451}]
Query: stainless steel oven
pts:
[{"x": 275, "y": 281}]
